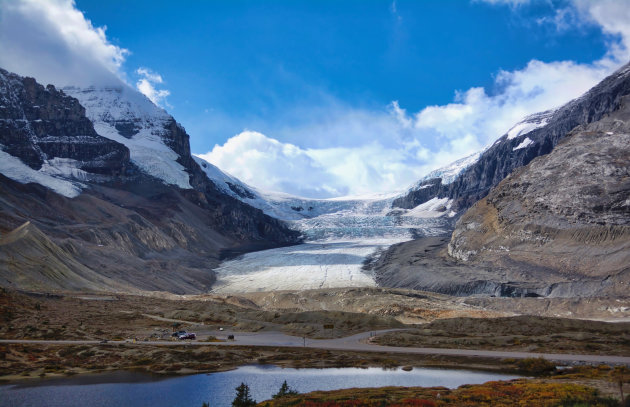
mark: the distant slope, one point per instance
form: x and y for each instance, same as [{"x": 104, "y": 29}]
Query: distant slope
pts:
[
  {"x": 536, "y": 135},
  {"x": 28, "y": 258}
]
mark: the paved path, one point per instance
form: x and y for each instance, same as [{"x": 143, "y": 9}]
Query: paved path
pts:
[{"x": 349, "y": 343}]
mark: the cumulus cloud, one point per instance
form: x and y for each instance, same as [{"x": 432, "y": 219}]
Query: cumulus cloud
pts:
[
  {"x": 272, "y": 165},
  {"x": 54, "y": 42},
  {"x": 391, "y": 148},
  {"x": 147, "y": 86}
]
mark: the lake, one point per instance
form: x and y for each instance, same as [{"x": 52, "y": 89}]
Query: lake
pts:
[{"x": 136, "y": 389}]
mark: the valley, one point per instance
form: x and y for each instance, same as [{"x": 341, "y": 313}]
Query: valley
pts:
[{"x": 114, "y": 236}]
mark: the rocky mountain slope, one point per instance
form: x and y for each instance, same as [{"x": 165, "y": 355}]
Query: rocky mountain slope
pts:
[
  {"x": 109, "y": 181},
  {"x": 536, "y": 135},
  {"x": 558, "y": 227},
  {"x": 565, "y": 217}
]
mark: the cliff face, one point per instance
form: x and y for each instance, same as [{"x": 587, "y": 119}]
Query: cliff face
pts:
[
  {"x": 39, "y": 124},
  {"x": 113, "y": 194},
  {"x": 535, "y": 136}
]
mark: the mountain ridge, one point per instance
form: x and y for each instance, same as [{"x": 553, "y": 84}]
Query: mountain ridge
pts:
[
  {"x": 544, "y": 130},
  {"x": 123, "y": 221},
  {"x": 556, "y": 227}
]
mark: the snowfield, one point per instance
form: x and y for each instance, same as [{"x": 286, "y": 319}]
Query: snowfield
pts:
[
  {"x": 12, "y": 167},
  {"x": 337, "y": 245},
  {"x": 325, "y": 264}
]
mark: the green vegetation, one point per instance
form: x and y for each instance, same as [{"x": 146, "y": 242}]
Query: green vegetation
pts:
[
  {"x": 243, "y": 397},
  {"x": 285, "y": 390}
]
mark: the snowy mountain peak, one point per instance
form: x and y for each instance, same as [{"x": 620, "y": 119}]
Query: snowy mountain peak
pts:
[{"x": 125, "y": 115}]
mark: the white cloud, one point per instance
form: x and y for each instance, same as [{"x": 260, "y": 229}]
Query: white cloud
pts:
[
  {"x": 146, "y": 85},
  {"x": 390, "y": 149},
  {"x": 53, "y": 41},
  {"x": 613, "y": 16},
  {"x": 272, "y": 165}
]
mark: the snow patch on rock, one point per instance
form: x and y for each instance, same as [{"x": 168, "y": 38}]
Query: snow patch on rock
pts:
[
  {"x": 525, "y": 143},
  {"x": 12, "y": 167},
  {"x": 449, "y": 173},
  {"x": 529, "y": 124},
  {"x": 433, "y": 208}
]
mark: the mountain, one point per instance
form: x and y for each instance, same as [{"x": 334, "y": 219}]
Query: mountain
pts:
[
  {"x": 558, "y": 226},
  {"x": 108, "y": 177},
  {"x": 536, "y": 135},
  {"x": 563, "y": 220}
]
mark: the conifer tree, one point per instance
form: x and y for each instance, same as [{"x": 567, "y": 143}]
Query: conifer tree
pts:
[
  {"x": 243, "y": 397},
  {"x": 285, "y": 390}
]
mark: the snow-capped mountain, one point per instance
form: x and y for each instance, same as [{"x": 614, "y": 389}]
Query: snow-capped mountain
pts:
[
  {"x": 130, "y": 118},
  {"x": 46, "y": 138},
  {"x": 113, "y": 196},
  {"x": 470, "y": 179}
]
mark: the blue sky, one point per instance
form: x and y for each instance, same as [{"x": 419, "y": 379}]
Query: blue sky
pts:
[
  {"x": 330, "y": 98},
  {"x": 256, "y": 64}
]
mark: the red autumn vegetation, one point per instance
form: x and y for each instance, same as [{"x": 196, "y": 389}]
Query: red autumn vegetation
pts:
[{"x": 523, "y": 393}]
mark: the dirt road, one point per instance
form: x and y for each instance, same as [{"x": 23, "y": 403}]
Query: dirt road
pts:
[{"x": 351, "y": 343}]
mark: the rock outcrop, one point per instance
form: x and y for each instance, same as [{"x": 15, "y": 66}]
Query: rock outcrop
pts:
[
  {"x": 567, "y": 212},
  {"x": 40, "y": 124}
]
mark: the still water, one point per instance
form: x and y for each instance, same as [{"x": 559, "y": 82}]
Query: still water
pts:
[{"x": 135, "y": 389}]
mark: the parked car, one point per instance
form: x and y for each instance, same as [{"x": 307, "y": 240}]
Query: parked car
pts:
[
  {"x": 178, "y": 334},
  {"x": 188, "y": 335}
]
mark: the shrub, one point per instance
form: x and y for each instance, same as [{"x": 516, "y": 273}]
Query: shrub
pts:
[{"x": 536, "y": 366}]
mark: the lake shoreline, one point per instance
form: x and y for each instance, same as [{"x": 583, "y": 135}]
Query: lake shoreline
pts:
[{"x": 283, "y": 357}]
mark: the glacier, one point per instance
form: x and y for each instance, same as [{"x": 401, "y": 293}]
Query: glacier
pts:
[{"x": 337, "y": 244}]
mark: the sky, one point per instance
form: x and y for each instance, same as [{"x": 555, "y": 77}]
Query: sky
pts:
[{"x": 327, "y": 98}]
